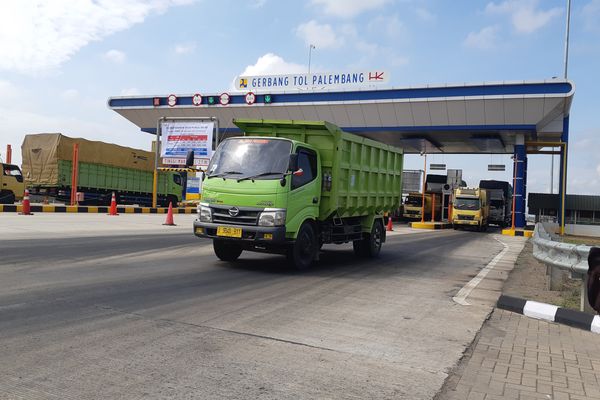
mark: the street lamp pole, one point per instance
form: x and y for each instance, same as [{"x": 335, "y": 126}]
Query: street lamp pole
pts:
[
  {"x": 312, "y": 46},
  {"x": 424, "y": 188},
  {"x": 567, "y": 37}
]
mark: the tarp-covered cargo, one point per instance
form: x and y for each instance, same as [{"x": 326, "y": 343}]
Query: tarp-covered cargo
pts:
[{"x": 41, "y": 154}]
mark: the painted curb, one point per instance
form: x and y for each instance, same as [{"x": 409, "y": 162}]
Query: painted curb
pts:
[
  {"x": 430, "y": 225},
  {"x": 96, "y": 209},
  {"x": 517, "y": 232},
  {"x": 549, "y": 312}
]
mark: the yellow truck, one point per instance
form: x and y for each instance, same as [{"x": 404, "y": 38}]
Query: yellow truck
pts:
[
  {"x": 413, "y": 204},
  {"x": 471, "y": 208},
  {"x": 11, "y": 184}
]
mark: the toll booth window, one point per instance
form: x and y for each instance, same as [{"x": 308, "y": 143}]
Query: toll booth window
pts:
[{"x": 307, "y": 161}]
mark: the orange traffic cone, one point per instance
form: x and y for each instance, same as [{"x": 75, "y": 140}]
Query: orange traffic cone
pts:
[
  {"x": 113, "y": 205},
  {"x": 169, "y": 220},
  {"x": 26, "y": 204},
  {"x": 389, "y": 226}
]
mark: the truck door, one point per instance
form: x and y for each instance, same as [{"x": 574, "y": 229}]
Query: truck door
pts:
[
  {"x": 12, "y": 184},
  {"x": 305, "y": 192}
]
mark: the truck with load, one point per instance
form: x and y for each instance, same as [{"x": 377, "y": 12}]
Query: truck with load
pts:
[
  {"x": 500, "y": 193},
  {"x": 288, "y": 187},
  {"x": 413, "y": 206},
  {"x": 103, "y": 168},
  {"x": 11, "y": 184},
  {"x": 471, "y": 208}
]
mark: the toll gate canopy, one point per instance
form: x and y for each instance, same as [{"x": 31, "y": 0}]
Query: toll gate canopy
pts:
[{"x": 486, "y": 118}]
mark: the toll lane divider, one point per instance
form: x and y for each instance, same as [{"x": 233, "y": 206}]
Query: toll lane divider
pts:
[
  {"x": 549, "y": 312},
  {"x": 16, "y": 208}
]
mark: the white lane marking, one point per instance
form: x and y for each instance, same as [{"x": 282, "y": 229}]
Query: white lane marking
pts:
[
  {"x": 595, "y": 324},
  {"x": 461, "y": 296},
  {"x": 537, "y": 310}
]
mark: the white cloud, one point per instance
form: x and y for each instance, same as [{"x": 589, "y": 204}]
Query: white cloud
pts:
[
  {"x": 70, "y": 94},
  {"x": 347, "y": 8},
  {"x": 391, "y": 26},
  {"x": 425, "y": 14},
  {"x": 524, "y": 14},
  {"x": 320, "y": 35},
  {"x": 115, "y": 56},
  {"x": 271, "y": 64},
  {"x": 185, "y": 48},
  {"x": 130, "y": 92},
  {"x": 598, "y": 169},
  {"x": 591, "y": 15},
  {"x": 258, "y": 3},
  {"x": 38, "y": 35},
  {"x": 485, "y": 39}
]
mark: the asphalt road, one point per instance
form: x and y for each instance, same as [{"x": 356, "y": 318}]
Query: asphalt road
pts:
[{"x": 157, "y": 316}]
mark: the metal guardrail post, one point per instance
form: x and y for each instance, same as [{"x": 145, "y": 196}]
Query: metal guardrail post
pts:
[{"x": 564, "y": 256}]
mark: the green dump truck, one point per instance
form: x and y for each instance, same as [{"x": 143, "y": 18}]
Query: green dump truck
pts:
[
  {"x": 289, "y": 187},
  {"x": 103, "y": 168}
]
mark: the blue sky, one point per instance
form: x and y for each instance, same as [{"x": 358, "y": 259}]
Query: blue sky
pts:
[{"x": 62, "y": 59}]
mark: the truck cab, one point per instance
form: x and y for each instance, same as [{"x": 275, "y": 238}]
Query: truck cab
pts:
[
  {"x": 471, "y": 208},
  {"x": 11, "y": 184},
  {"x": 248, "y": 183},
  {"x": 413, "y": 206}
]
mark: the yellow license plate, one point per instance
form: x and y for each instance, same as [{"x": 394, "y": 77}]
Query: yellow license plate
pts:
[{"x": 229, "y": 232}]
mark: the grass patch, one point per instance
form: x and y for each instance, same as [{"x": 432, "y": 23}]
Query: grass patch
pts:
[
  {"x": 570, "y": 294},
  {"x": 587, "y": 240}
]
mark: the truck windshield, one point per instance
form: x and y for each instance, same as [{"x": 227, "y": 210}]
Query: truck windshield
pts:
[
  {"x": 462, "y": 203},
  {"x": 497, "y": 203},
  {"x": 414, "y": 201},
  {"x": 261, "y": 158}
]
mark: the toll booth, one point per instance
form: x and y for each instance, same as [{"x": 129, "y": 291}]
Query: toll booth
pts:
[{"x": 516, "y": 118}]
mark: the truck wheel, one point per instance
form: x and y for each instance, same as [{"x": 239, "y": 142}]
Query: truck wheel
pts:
[
  {"x": 302, "y": 253},
  {"x": 370, "y": 246},
  {"x": 227, "y": 251}
]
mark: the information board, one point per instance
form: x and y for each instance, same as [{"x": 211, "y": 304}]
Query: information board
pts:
[{"x": 179, "y": 137}]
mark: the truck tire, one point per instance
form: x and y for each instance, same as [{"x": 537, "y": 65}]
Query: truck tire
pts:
[
  {"x": 226, "y": 250},
  {"x": 304, "y": 250},
  {"x": 370, "y": 245},
  {"x": 7, "y": 197}
]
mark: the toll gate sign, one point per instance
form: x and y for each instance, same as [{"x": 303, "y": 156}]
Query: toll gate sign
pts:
[{"x": 179, "y": 137}]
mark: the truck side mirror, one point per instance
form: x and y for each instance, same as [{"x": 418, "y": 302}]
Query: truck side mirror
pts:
[
  {"x": 189, "y": 159},
  {"x": 298, "y": 172},
  {"x": 293, "y": 165}
]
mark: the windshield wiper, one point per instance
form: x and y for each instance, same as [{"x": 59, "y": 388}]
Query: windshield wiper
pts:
[
  {"x": 223, "y": 174},
  {"x": 259, "y": 175}
]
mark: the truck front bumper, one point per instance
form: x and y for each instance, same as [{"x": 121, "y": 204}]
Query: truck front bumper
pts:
[
  {"x": 466, "y": 222},
  {"x": 250, "y": 234}
]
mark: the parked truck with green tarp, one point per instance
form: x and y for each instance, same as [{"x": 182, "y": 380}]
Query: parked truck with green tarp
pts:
[
  {"x": 289, "y": 187},
  {"x": 103, "y": 168}
]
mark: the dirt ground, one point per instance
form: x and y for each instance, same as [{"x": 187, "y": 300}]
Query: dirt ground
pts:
[{"x": 528, "y": 280}]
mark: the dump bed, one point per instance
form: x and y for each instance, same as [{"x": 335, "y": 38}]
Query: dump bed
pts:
[{"x": 366, "y": 175}]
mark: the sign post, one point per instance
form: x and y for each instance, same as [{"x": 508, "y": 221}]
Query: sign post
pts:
[{"x": 176, "y": 136}]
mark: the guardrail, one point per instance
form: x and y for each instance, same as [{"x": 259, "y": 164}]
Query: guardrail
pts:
[{"x": 564, "y": 256}]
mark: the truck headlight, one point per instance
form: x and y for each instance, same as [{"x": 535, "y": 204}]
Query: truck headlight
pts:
[
  {"x": 272, "y": 218},
  {"x": 204, "y": 213}
]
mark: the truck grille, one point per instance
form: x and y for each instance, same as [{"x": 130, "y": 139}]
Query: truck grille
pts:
[
  {"x": 245, "y": 215},
  {"x": 466, "y": 217}
]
